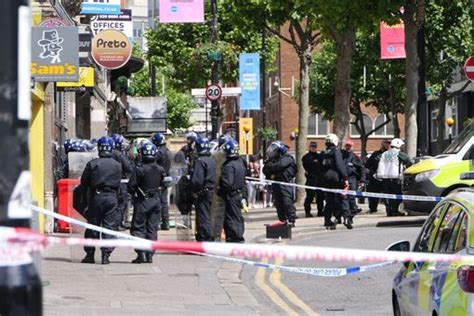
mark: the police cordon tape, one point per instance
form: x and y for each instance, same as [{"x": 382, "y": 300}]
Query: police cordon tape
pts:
[
  {"x": 256, "y": 251},
  {"x": 17, "y": 243},
  {"x": 400, "y": 197}
]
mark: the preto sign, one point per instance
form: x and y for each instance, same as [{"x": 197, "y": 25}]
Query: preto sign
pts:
[
  {"x": 122, "y": 23},
  {"x": 111, "y": 49},
  {"x": 54, "y": 53}
]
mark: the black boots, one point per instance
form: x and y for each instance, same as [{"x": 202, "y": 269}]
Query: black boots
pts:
[
  {"x": 89, "y": 258},
  {"x": 330, "y": 225},
  {"x": 149, "y": 257},
  {"x": 308, "y": 214},
  {"x": 141, "y": 258},
  {"x": 105, "y": 258},
  {"x": 348, "y": 222}
]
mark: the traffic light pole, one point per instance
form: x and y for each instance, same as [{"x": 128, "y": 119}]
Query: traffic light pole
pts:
[
  {"x": 215, "y": 105},
  {"x": 20, "y": 285}
]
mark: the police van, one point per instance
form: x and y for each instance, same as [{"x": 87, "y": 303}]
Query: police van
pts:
[{"x": 440, "y": 175}]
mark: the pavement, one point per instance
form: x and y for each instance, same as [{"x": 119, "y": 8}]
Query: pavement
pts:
[{"x": 174, "y": 283}]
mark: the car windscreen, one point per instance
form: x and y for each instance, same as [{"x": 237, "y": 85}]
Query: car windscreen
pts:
[{"x": 460, "y": 141}]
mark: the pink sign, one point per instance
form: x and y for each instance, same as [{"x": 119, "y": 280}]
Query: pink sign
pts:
[
  {"x": 181, "y": 11},
  {"x": 392, "y": 41}
]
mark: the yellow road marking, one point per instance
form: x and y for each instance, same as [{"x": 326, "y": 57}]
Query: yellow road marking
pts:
[
  {"x": 260, "y": 282},
  {"x": 275, "y": 279}
]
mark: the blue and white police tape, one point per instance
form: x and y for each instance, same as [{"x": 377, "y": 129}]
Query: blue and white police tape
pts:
[
  {"x": 260, "y": 251},
  {"x": 399, "y": 197},
  {"x": 320, "y": 272}
]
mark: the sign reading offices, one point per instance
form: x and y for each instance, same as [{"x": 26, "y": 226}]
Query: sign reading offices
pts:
[
  {"x": 122, "y": 22},
  {"x": 54, "y": 54},
  {"x": 111, "y": 49}
]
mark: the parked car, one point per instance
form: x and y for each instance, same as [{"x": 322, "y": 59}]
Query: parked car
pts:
[{"x": 444, "y": 288}]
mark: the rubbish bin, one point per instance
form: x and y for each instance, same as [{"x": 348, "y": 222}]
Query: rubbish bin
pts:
[{"x": 65, "y": 194}]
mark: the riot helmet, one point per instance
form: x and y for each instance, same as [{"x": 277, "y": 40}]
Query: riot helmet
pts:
[{"x": 105, "y": 146}]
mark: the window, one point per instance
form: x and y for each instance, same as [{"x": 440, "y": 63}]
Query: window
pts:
[
  {"x": 367, "y": 124},
  {"x": 458, "y": 238},
  {"x": 434, "y": 125},
  {"x": 317, "y": 125},
  {"x": 452, "y": 111},
  {"x": 387, "y": 129},
  {"x": 448, "y": 229},
  {"x": 423, "y": 242}
]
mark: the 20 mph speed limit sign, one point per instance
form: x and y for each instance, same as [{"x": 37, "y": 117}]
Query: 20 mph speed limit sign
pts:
[{"x": 214, "y": 92}]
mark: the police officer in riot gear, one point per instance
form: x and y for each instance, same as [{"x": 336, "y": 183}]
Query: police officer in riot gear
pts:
[
  {"x": 334, "y": 176},
  {"x": 203, "y": 180},
  {"x": 311, "y": 164},
  {"x": 355, "y": 173},
  {"x": 375, "y": 185},
  {"x": 232, "y": 190},
  {"x": 163, "y": 159},
  {"x": 101, "y": 177},
  {"x": 127, "y": 168},
  {"x": 281, "y": 166},
  {"x": 70, "y": 145},
  {"x": 144, "y": 186}
]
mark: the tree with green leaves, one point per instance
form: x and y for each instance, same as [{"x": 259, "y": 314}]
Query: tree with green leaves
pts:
[
  {"x": 383, "y": 86},
  {"x": 185, "y": 54}
]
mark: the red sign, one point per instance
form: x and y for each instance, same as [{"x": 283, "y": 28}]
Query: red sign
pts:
[
  {"x": 469, "y": 68},
  {"x": 392, "y": 41}
]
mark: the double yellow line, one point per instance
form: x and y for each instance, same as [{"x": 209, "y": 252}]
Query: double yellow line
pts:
[{"x": 275, "y": 280}]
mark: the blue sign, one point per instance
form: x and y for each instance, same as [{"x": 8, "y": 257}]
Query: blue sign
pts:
[
  {"x": 249, "y": 67},
  {"x": 105, "y": 7}
]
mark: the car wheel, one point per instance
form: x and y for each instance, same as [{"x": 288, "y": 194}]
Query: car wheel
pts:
[{"x": 395, "y": 305}]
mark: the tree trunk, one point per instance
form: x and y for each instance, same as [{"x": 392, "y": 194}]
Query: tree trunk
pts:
[
  {"x": 411, "y": 74},
  {"x": 305, "y": 63},
  {"x": 345, "y": 46},
  {"x": 396, "y": 125}
]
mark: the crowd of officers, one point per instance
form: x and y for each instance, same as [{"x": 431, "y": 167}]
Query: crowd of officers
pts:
[
  {"x": 335, "y": 168},
  {"x": 108, "y": 181}
]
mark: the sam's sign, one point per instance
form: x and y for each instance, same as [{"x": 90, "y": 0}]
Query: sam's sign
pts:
[{"x": 55, "y": 53}]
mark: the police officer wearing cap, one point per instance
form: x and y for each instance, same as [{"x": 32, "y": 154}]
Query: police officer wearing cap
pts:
[
  {"x": 232, "y": 190},
  {"x": 203, "y": 180},
  {"x": 163, "y": 159},
  {"x": 144, "y": 186},
  {"x": 281, "y": 166},
  {"x": 127, "y": 168},
  {"x": 101, "y": 177},
  {"x": 334, "y": 176},
  {"x": 355, "y": 173},
  {"x": 311, "y": 164},
  {"x": 390, "y": 171}
]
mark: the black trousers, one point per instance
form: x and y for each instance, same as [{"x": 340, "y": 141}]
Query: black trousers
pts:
[
  {"x": 311, "y": 194},
  {"x": 165, "y": 213},
  {"x": 102, "y": 211},
  {"x": 283, "y": 196},
  {"x": 348, "y": 202},
  {"x": 146, "y": 218},
  {"x": 203, "y": 213},
  {"x": 234, "y": 221},
  {"x": 333, "y": 202},
  {"x": 374, "y": 186},
  {"x": 123, "y": 199},
  {"x": 392, "y": 186}
]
